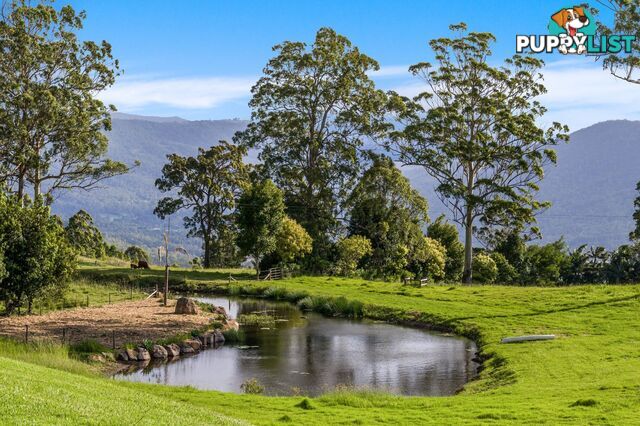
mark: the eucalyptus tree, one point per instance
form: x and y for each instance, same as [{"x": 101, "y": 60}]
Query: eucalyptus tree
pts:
[
  {"x": 311, "y": 112},
  {"x": 206, "y": 186},
  {"x": 51, "y": 123},
  {"x": 475, "y": 131}
]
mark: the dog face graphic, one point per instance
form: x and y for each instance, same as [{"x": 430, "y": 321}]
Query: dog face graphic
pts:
[{"x": 571, "y": 20}]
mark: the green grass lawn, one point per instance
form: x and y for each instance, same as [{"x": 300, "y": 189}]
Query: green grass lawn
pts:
[{"x": 589, "y": 375}]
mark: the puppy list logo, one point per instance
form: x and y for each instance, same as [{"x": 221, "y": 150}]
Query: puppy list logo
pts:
[{"x": 572, "y": 30}]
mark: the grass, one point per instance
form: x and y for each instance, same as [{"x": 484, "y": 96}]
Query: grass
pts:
[{"x": 588, "y": 375}]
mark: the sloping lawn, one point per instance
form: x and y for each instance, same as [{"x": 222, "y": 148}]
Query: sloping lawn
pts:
[{"x": 589, "y": 375}]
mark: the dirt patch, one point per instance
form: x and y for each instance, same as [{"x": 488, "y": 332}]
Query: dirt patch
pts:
[{"x": 132, "y": 322}]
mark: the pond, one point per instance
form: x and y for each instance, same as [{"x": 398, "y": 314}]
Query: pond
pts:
[{"x": 306, "y": 353}]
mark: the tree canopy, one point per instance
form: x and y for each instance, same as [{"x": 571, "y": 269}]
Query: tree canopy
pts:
[
  {"x": 207, "y": 186},
  {"x": 311, "y": 112},
  {"x": 84, "y": 235},
  {"x": 51, "y": 123}
]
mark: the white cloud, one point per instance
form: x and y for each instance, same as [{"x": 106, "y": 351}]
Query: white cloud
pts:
[
  {"x": 131, "y": 94},
  {"x": 391, "y": 71},
  {"x": 581, "y": 93}
]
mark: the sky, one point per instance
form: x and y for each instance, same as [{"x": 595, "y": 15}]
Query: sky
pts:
[{"x": 198, "y": 59}]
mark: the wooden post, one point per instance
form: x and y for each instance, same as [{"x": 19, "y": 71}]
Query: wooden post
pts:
[
  {"x": 64, "y": 334},
  {"x": 113, "y": 339},
  {"x": 26, "y": 333},
  {"x": 87, "y": 300},
  {"x": 131, "y": 292}
]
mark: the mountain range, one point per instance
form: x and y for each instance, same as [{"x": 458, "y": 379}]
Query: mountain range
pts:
[{"x": 591, "y": 189}]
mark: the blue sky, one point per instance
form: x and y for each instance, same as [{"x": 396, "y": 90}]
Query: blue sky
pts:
[{"x": 198, "y": 59}]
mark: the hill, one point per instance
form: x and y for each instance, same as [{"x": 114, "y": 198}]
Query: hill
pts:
[{"x": 592, "y": 188}]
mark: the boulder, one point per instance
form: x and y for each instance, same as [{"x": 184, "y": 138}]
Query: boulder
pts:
[
  {"x": 132, "y": 354},
  {"x": 186, "y": 306},
  {"x": 186, "y": 349},
  {"x": 194, "y": 343},
  {"x": 122, "y": 356},
  {"x": 173, "y": 350},
  {"x": 220, "y": 310},
  {"x": 143, "y": 354},
  {"x": 158, "y": 352},
  {"x": 218, "y": 337},
  {"x": 232, "y": 325}
]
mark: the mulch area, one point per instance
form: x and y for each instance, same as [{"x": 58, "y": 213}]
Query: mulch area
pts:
[{"x": 132, "y": 322}]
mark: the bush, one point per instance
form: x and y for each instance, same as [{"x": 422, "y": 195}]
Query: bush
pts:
[
  {"x": 429, "y": 260},
  {"x": 485, "y": 270},
  {"x": 507, "y": 274},
  {"x": 252, "y": 386},
  {"x": 447, "y": 235},
  {"x": 88, "y": 347},
  {"x": 351, "y": 251}
]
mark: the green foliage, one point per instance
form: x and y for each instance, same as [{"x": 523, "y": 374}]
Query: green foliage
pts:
[
  {"x": 252, "y": 387},
  {"x": 635, "y": 234},
  {"x": 85, "y": 236},
  {"x": 447, "y": 235},
  {"x": 206, "y": 185},
  {"x": 507, "y": 273},
  {"x": 37, "y": 257},
  {"x": 476, "y": 132},
  {"x": 256, "y": 320},
  {"x": 52, "y": 124},
  {"x": 292, "y": 241},
  {"x": 233, "y": 336},
  {"x": 305, "y": 404},
  {"x": 429, "y": 260},
  {"x": 485, "y": 269},
  {"x": 543, "y": 265},
  {"x": 259, "y": 219},
  {"x": 311, "y": 112},
  {"x": 135, "y": 254},
  {"x": 88, "y": 347},
  {"x": 385, "y": 209},
  {"x": 351, "y": 251}
]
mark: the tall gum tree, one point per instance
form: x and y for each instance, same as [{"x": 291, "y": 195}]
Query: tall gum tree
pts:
[
  {"x": 311, "y": 112},
  {"x": 475, "y": 131},
  {"x": 51, "y": 123}
]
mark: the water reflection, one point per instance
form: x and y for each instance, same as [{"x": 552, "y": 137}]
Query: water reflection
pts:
[{"x": 312, "y": 354}]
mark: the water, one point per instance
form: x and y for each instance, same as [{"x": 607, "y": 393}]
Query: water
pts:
[{"x": 311, "y": 354}]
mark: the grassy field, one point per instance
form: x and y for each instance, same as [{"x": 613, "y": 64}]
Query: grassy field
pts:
[{"x": 589, "y": 375}]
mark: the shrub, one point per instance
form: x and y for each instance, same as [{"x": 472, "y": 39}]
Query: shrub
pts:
[
  {"x": 429, "y": 260},
  {"x": 233, "y": 336},
  {"x": 485, "y": 270},
  {"x": 351, "y": 251},
  {"x": 252, "y": 386},
  {"x": 447, "y": 234},
  {"x": 507, "y": 274},
  {"x": 88, "y": 346}
]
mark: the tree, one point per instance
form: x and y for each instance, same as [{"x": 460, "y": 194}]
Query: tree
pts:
[
  {"x": 635, "y": 234},
  {"x": 207, "y": 186},
  {"x": 626, "y": 18},
  {"x": 85, "y": 236},
  {"x": 475, "y": 131},
  {"x": 51, "y": 123},
  {"x": 507, "y": 273},
  {"x": 429, "y": 260},
  {"x": 447, "y": 235},
  {"x": 311, "y": 112},
  {"x": 36, "y": 255},
  {"x": 292, "y": 241},
  {"x": 135, "y": 254},
  {"x": 543, "y": 265},
  {"x": 385, "y": 208},
  {"x": 260, "y": 215},
  {"x": 351, "y": 251}
]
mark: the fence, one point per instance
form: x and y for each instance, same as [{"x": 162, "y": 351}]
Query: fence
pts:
[{"x": 271, "y": 274}]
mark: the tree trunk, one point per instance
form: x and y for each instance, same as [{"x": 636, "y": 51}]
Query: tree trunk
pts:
[
  {"x": 468, "y": 249},
  {"x": 206, "y": 263}
]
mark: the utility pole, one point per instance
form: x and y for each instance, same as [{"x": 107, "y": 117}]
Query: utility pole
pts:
[{"x": 166, "y": 260}]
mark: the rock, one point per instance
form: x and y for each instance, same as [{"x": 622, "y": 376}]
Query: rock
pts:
[
  {"x": 232, "y": 325},
  {"x": 96, "y": 358},
  {"x": 143, "y": 354},
  {"x": 218, "y": 337},
  {"x": 186, "y": 306},
  {"x": 220, "y": 310},
  {"x": 158, "y": 352},
  {"x": 122, "y": 356},
  {"x": 193, "y": 343},
  {"x": 173, "y": 350},
  {"x": 108, "y": 356},
  {"x": 186, "y": 349},
  {"x": 132, "y": 354}
]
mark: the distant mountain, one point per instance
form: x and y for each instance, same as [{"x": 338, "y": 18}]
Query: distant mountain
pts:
[
  {"x": 592, "y": 188},
  {"x": 123, "y": 206}
]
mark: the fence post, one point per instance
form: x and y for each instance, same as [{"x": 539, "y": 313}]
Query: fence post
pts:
[
  {"x": 26, "y": 333},
  {"x": 64, "y": 334},
  {"x": 87, "y": 300},
  {"x": 131, "y": 292},
  {"x": 113, "y": 338},
  {"x": 109, "y": 298}
]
